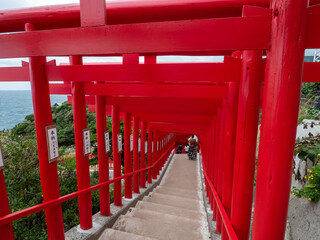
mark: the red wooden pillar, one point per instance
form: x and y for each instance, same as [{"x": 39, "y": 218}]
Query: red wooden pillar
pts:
[
  {"x": 127, "y": 155},
  {"x": 159, "y": 152},
  {"x": 6, "y": 230},
  {"x": 103, "y": 159},
  {"x": 150, "y": 154},
  {"x": 229, "y": 148},
  {"x": 143, "y": 154},
  {"x": 220, "y": 155},
  {"x": 211, "y": 144},
  {"x": 92, "y": 13},
  {"x": 214, "y": 165},
  {"x": 43, "y": 118},
  {"x": 135, "y": 154},
  {"x": 83, "y": 173},
  {"x": 245, "y": 155},
  {"x": 155, "y": 154},
  {"x": 279, "y": 118},
  {"x": 206, "y": 162},
  {"x": 116, "y": 154}
]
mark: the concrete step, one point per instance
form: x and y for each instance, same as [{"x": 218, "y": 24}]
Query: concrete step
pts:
[
  {"x": 160, "y": 218},
  {"x": 181, "y": 182},
  {"x": 174, "y": 201},
  {"x": 180, "y": 193},
  {"x": 112, "y": 234},
  {"x": 178, "y": 189},
  {"x": 151, "y": 229},
  {"x": 177, "y": 211}
]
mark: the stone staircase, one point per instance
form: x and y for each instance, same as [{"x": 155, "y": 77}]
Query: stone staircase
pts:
[{"x": 174, "y": 210}]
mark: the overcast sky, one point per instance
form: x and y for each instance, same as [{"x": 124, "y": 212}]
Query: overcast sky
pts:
[{"x": 13, "y": 4}]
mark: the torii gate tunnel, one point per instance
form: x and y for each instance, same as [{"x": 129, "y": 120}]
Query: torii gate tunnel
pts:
[{"x": 263, "y": 46}]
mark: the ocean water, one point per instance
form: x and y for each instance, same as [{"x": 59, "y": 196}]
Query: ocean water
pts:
[{"x": 16, "y": 105}]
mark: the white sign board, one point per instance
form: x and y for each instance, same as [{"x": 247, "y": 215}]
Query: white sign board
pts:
[
  {"x": 145, "y": 146},
  {"x": 52, "y": 143},
  {"x": 106, "y": 142},
  {"x": 119, "y": 142},
  {"x": 131, "y": 143},
  {"x": 86, "y": 141},
  {"x": 139, "y": 144},
  {"x": 1, "y": 159}
]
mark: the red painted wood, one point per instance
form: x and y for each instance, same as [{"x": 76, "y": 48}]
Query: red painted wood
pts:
[
  {"x": 312, "y": 35},
  {"x": 144, "y": 90},
  {"x": 6, "y": 230},
  {"x": 82, "y": 162},
  {"x": 43, "y": 118},
  {"x": 63, "y": 89},
  {"x": 220, "y": 155},
  {"x": 116, "y": 154},
  {"x": 160, "y": 109},
  {"x": 311, "y": 71},
  {"x": 196, "y": 73},
  {"x": 68, "y": 15},
  {"x": 135, "y": 154},
  {"x": 150, "y": 153},
  {"x": 176, "y": 118},
  {"x": 14, "y": 74},
  {"x": 179, "y": 73},
  {"x": 229, "y": 149},
  {"x": 279, "y": 119},
  {"x": 127, "y": 155},
  {"x": 155, "y": 153},
  {"x": 179, "y": 128},
  {"x": 246, "y": 139},
  {"x": 213, "y": 159},
  {"x": 234, "y": 33},
  {"x": 92, "y": 13},
  {"x": 143, "y": 154},
  {"x": 103, "y": 157},
  {"x": 222, "y": 212},
  {"x": 141, "y": 90},
  {"x": 156, "y": 102}
]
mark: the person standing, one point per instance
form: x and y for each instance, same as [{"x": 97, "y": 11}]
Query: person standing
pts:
[
  {"x": 186, "y": 148},
  {"x": 193, "y": 149}
]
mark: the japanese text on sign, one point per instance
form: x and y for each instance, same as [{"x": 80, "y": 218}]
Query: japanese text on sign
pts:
[
  {"x": 131, "y": 143},
  {"x": 86, "y": 141},
  {"x": 106, "y": 142},
  {"x": 119, "y": 142},
  {"x": 52, "y": 143},
  {"x": 139, "y": 144},
  {"x": 145, "y": 146}
]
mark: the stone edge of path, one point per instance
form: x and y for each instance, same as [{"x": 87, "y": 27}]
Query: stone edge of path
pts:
[
  {"x": 100, "y": 223},
  {"x": 207, "y": 208}
]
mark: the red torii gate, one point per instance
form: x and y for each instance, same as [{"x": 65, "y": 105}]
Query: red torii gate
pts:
[{"x": 225, "y": 96}]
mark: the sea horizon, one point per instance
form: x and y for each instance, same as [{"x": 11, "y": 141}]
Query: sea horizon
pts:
[{"x": 15, "y": 105}]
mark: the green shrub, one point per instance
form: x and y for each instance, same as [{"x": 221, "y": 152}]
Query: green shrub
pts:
[
  {"x": 310, "y": 89},
  {"x": 24, "y": 187},
  {"x": 308, "y": 148},
  {"x": 312, "y": 190}
]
